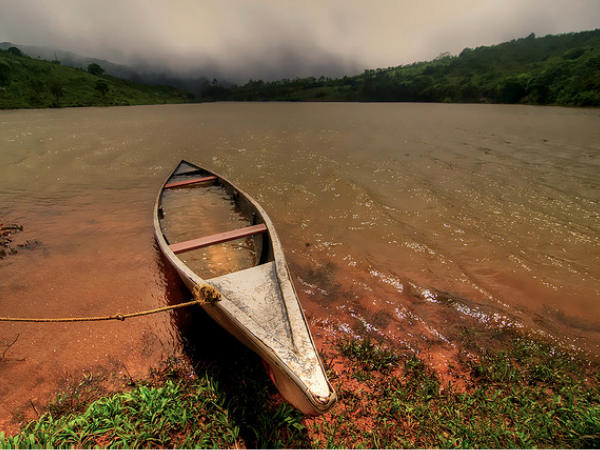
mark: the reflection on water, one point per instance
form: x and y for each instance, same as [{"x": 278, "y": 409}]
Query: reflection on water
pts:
[{"x": 404, "y": 220}]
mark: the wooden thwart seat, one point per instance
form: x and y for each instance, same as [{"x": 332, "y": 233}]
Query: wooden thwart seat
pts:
[
  {"x": 218, "y": 238},
  {"x": 191, "y": 181}
]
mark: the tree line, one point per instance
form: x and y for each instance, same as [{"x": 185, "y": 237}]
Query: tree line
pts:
[{"x": 550, "y": 70}]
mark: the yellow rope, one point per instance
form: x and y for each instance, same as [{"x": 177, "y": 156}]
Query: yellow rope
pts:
[{"x": 204, "y": 294}]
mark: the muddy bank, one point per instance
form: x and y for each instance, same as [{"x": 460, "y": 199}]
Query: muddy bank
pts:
[
  {"x": 526, "y": 393},
  {"x": 466, "y": 380},
  {"x": 443, "y": 330}
]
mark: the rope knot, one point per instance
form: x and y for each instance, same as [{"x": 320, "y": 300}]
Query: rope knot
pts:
[
  {"x": 120, "y": 317},
  {"x": 206, "y": 293}
]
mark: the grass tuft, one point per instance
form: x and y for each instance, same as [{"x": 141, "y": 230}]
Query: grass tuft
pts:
[{"x": 368, "y": 354}]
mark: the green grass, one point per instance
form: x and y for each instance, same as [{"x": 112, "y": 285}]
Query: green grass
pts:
[
  {"x": 529, "y": 394},
  {"x": 32, "y": 83},
  {"x": 367, "y": 355},
  {"x": 144, "y": 416},
  {"x": 170, "y": 409}
]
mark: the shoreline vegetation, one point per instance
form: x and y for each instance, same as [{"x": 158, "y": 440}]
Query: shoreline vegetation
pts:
[
  {"x": 561, "y": 70},
  {"x": 524, "y": 393}
]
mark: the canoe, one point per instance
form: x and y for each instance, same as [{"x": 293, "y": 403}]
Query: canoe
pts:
[{"x": 214, "y": 234}]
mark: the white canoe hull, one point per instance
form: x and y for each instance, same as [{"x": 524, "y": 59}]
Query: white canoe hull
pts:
[{"x": 260, "y": 308}]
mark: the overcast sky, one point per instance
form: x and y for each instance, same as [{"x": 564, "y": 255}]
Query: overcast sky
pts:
[{"x": 272, "y": 39}]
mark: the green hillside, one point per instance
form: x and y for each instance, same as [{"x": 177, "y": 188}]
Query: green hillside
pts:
[
  {"x": 32, "y": 83},
  {"x": 552, "y": 70}
]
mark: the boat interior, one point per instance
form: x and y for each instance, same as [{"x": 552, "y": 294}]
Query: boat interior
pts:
[{"x": 209, "y": 225}]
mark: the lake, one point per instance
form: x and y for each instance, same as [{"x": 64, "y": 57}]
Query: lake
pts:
[{"x": 409, "y": 222}]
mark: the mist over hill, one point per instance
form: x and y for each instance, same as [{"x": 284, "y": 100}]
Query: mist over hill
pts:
[
  {"x": 141, "y": 72},
  {"x": 27, "y": 82}
]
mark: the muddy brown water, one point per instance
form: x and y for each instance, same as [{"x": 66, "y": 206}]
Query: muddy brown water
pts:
[{"x": 398, "y": 220}]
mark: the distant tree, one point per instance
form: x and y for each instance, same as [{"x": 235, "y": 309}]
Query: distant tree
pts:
[
  {"x": 213, "y": 91},
  {"x": 4, "y": 74},
  {"x": 37, "y": 87},
  {"x": 466, "y": 52},
  {"x": 538, "y": 90},
  {"x": 101, "y": 87},
  {"x": 57, "y": 91},
  {"x": 574, "y": 53},
  {"x": 15, "y": 51},
  {"x": 511, "y": 90},
  {"x": 95, "y": 69},
  {"x": 442, "y": 56},
  {"x": 469, "y": 92}
]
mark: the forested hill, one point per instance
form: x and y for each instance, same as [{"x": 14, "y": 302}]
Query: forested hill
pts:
[
  {"x": 552, "y": 70},
  {"x": 32, "y": 83}
]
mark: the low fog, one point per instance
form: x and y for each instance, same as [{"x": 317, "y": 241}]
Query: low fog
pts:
[{"x": 239, "y": 40}]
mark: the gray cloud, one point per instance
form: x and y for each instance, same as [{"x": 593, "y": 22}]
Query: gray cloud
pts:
[{"x": 271, "y": 39}]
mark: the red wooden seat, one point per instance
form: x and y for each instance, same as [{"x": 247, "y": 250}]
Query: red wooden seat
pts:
[
  {"x": 218, "y": 238},
  {"x": 192, "y": 181}
]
